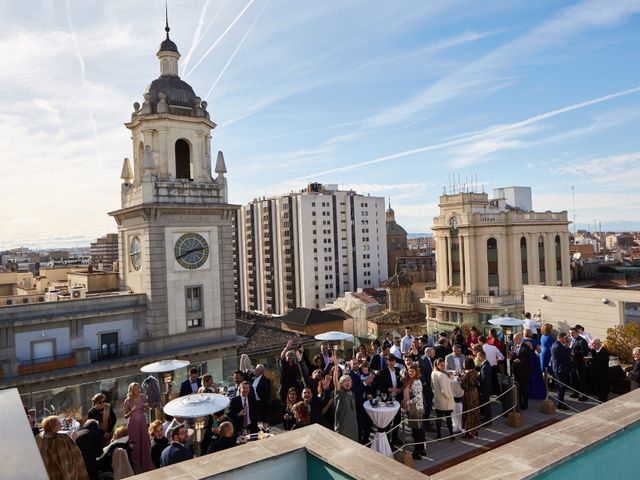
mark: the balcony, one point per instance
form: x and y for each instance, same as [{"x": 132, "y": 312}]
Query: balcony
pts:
[
  {"x": 460, "y": 298},
  {"x": 114, "y": 351},
  {"x": 47, "y": 364}
]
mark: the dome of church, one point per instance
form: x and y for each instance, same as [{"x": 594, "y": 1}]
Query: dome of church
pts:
[
  {"x": 168, "y": 46},
  {"x": 394, "y": 229},
  {"x": 178, "y": 92}
]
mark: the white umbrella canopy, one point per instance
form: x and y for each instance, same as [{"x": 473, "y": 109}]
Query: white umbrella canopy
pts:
[
  {"x": 164, "y": 366},
  {"x": 196, "y": 405},
  {"x": 506, "y": 322},
  {"x": 333, "y": 336}
]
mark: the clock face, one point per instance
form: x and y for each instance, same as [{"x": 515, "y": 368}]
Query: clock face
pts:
[
  {"x": 191, "y": 251},
  {"x": 135, "y": 252}
]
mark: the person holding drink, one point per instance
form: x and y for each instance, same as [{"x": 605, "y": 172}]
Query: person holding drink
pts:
[{"x": 134, "y": 412}]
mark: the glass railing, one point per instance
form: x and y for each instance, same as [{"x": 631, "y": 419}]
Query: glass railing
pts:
[{"x": 74, "y": 401}]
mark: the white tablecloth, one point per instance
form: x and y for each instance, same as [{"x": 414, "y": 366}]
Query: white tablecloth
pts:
[{"x": 382, "y": 416}]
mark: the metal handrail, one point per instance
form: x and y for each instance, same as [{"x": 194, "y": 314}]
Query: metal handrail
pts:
[
  {"x": 122, "y": 350},
  {"x": 44, "y": 360}
]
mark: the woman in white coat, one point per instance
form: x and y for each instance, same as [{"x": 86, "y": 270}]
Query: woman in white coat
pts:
[{"x": 443, "y": 402}]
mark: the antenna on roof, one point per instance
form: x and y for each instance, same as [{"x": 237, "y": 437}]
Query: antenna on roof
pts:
[{"x": 166, "y": 18}]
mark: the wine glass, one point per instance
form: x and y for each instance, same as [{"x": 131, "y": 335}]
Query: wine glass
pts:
[{"x": 384, "y": 396}]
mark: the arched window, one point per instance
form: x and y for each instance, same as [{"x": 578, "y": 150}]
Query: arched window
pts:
[
  {"x": 543, "y": 279},
  {"x": 492, "y": 263},
  {"x": 558, "y": 261},
  {"x": 523, "y": 261},
  {"x": 183, "y": 160}
]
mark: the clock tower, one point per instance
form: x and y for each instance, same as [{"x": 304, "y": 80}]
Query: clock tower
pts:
[{"x": 175, "y": 225}]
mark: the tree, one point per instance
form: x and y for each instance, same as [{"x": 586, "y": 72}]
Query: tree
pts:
[{"x": 622, "y": 339}]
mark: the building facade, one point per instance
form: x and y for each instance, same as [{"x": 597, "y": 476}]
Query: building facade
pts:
[
  {"x": 104, "y": 251},
  {"x": 487, "y": 250},
  {"x": 305, "y": 249}
]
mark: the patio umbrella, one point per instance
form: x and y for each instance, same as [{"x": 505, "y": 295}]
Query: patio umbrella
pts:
[
  {"x": 162, "y": 366},
  {"x": 333, "y": 336},
  {"x": 196, "y": 405},
  {"x": 506, "y": 322}
]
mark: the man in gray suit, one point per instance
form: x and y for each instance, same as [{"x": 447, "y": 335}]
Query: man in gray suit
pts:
[{"x": 455, "y": 361}]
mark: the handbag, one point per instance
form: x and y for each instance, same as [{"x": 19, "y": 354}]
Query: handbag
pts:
[{"x": 415, "y": 411}]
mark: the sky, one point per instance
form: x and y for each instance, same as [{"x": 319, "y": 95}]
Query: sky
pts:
[{"x": 391, "y": 99}]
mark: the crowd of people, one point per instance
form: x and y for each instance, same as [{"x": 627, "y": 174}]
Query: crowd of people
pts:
[{"x": 451, "y": 376}]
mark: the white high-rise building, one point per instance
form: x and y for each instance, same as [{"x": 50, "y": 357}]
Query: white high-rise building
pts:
[{"x": 305, "y": 249}]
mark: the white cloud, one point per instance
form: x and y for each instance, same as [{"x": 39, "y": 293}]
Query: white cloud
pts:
[{"x": 473, "y": 78}]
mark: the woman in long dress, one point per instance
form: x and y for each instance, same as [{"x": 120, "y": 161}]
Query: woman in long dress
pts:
[
  {"x": 470, "y": 400},
  {"x": 537, "y": 389},
  {"x": 134, "y": 408}
]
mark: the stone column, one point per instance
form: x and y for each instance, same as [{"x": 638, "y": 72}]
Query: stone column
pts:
[
  {"x": 164, "y": 155},
  {"x": 533, "y": 259},
  {"x": 550, "y": 258},
  {"x": 566, "y": 267},
  {"x": 469, "y": 284}
]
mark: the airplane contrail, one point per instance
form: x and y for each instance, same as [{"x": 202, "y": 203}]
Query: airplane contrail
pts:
[
  {"x": 224, "y": 69},
  {"x": 465, "y": 138},
  {"x": 235, "y": 20},
  {"x": 197, "y": 35}
]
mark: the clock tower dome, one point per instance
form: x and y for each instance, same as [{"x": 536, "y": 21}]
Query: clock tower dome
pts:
[{"x": 174, "y": 224}]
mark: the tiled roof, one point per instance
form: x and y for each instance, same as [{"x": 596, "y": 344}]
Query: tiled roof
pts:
[
  {"x": 265, "y": 334},
  {"x": 311, "y": 316},
  {"x": 363, "y": 297}
]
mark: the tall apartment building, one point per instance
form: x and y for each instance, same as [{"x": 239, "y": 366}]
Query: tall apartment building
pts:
[
  {"x": 487, "y": 250},
  {"x": 105, "y": 250},
  {"x": 305, "y": 249}
]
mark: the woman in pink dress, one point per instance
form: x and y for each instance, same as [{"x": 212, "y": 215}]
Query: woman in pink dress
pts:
[{"x": 134, "y": 408}]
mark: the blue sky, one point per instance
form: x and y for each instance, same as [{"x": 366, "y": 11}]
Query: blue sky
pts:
[{"x": 388, "y": 98}]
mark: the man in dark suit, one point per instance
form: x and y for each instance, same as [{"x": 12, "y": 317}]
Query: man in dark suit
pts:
[
  {"x": 261, "y": 388},
  {"x": 388, "y": 381},
  {"x": 379, "y": 360},
  {"x": 358, "y": 389},
  {"x": 560, "y": 366},
  {"x": 325, "y": 354},
  {"x": 522, "y": 363},
  {"x": 176, "y": 452},
  {"x": 89, "y": 441},
  {"x": 443, "y": 348},
  {"x": 225, "y": 440},
  {"x": 579, "y": 350},
  {"x": 191, "y": 384},
  {"x": 599, "y": 370},
  {"x": 484, "y": 386},
  {"x": 427, "y": 391},
  {"x": 243, "y": 410}
]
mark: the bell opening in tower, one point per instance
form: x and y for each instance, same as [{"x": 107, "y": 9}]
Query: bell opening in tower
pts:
[{"x": 183, "y": 160}]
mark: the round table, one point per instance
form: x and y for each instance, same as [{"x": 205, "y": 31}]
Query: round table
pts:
[{"x": 382, "y": 416}]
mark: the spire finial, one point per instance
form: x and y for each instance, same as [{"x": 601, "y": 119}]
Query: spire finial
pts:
[{"x": 166, "y": 18}]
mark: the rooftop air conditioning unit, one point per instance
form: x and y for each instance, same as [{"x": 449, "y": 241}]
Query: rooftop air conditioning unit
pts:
[{"x": 78, "y": 292}]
